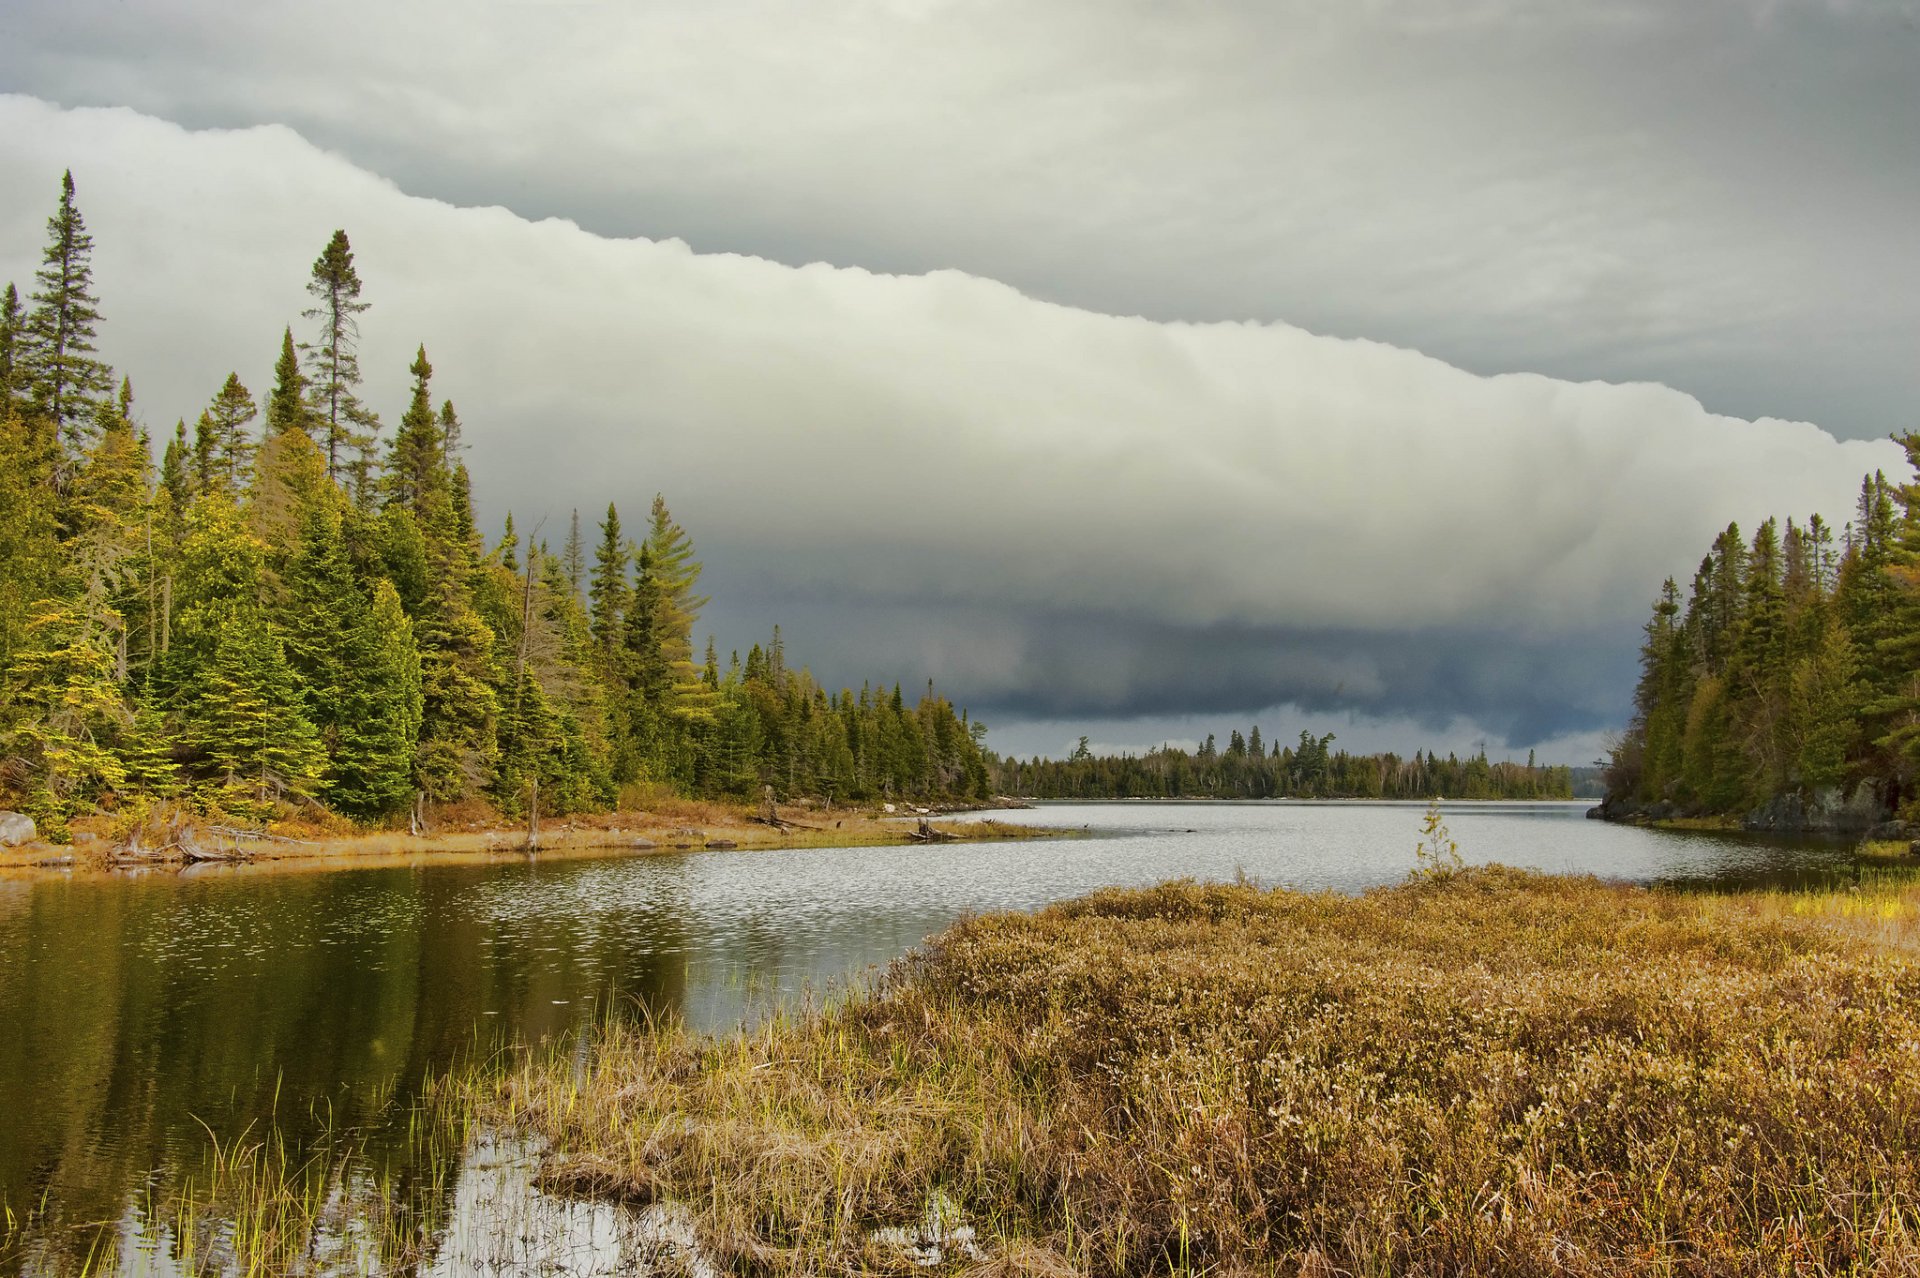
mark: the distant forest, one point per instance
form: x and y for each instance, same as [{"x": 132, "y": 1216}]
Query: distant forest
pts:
[
  {"x": 1790, "y": 671},
  {"x": 1248, "y": 769},
  {"x": 294, "y": 612}
]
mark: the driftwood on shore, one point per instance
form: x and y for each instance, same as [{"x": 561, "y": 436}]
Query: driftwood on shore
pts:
[
  {"x": 175, "y": 840},
  {"x": 770, "y": 815},
  {"x": 926, "y": 833}
]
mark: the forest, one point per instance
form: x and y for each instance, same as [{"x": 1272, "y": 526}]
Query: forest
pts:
[
  {"x": 1789, "y": 676},
  {"x": 294, "y": 610},
  {"x": 1249, "y": 769}
]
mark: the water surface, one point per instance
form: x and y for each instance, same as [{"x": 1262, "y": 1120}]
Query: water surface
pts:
[{"x": 139, "y": 1014}]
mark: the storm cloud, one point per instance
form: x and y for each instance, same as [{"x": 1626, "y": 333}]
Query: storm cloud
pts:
[
  {"x": 1718, "y": 195},
  {"x": 1054, "y": 513}
]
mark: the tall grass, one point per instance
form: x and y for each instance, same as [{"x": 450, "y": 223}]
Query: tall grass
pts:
[
  {"x": 255, "y": 1206},
  {"x": 1476, "y": 1072}
]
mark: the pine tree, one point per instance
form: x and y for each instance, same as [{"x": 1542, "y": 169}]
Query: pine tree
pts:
[
  {"x": 287, "y": 407},
  {"x": 345, "y": 424},
  {"x": 67, "y": 383}
]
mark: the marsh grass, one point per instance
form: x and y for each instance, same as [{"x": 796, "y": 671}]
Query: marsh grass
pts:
[
  {"x": 254, "y": 1205},
  {"x": 1482, "y": 1071}
]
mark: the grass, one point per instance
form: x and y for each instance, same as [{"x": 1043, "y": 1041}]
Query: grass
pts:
[
  {"x": 1476, "y": 1072},
  {"x": 255, "y": 1208}
]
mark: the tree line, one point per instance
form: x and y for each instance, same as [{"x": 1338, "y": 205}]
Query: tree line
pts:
[
  {"x": 1249, "y": 769},
  {"x": 1790, "y": 668},
  {"x": 295, "y": 609}
]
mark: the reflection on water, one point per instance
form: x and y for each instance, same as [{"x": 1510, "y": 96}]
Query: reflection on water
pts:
[{"x": 135, "y": 1010}]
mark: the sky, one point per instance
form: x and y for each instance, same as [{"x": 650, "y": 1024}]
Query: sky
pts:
[{"x": 1134, "y": 370}]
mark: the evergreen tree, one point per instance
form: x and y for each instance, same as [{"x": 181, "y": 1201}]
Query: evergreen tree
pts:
[
  {"x": 356, "y": 656},
  {"x": 30, "y": 558},
  {"x": 224, "y": 446},
  {"x": 344, "y": 423},
  {"x": 450, "y": 444},
  {"x": 574, "y": 557},
  {"x": 416, "y": 462},
  {"x": 287, "y": 407},
  {"x": 63, "y": 713},
  {"x": 13, "y": 336},
  {"x": 246, "y": 717},
  {"x": 67, "y": 383},
  {"x": 609, "y": 589}
]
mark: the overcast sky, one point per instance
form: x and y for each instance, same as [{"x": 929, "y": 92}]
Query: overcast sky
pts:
[{"x": 1129, "y": 368}]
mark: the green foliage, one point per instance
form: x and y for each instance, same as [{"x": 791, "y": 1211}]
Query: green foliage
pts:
[
  {"x": 1436, "y": 856},
  {"x": 346, "y": 427},
  {"x": 246, "y": 631},
  {"x": 1310, "y": 769},
  {"x": 66, "y": 382},
  {"x": 1792, "y": 670}
]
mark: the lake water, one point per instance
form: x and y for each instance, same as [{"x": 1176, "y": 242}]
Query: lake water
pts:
[{"x": 140, "y": 1014}]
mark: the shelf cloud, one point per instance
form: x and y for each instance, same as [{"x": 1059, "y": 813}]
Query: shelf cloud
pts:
[{"x": 1054, "y": 513}]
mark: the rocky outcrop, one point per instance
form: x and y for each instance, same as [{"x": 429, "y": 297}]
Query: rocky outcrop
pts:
[
  {"x": 1828, "y": 810},
  {"x": 1861, "y": 813},
  {"x": 15, "y": 828}
]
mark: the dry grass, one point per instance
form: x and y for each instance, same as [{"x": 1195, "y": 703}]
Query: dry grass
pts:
[{"x": 1485, "y": 1072}]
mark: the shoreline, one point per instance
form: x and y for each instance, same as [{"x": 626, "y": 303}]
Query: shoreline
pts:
[{"x": 672, "y": 827}]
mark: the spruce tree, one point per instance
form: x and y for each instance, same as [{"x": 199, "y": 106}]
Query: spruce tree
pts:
[
  {"x": 63, "y": 713},
  {"x": 357, "y": 658},
  {"x": 287, "y": 407},
  {"x": 608, "y": 591},
  {"x": 30, "y": 554},
  {"x": 13, "y": 323},
  {"x": 416, "y": 461},
  {"x": 66, "y": 382},
  {"x": 574, "y": 557},
  {"x": 450, "y": 444},
  {"x": 224, "y": 446},
  {"x": 246, "y": 716},
  {"x": 344, "y": 423}
]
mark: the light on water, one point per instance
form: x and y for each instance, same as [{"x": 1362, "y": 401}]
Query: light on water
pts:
[{"x": 140, "y": 1017}]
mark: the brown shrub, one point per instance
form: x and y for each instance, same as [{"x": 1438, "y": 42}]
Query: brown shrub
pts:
[{"x": 1487, "y": 1072}]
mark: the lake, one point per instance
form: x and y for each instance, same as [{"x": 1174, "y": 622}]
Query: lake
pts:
[{"x": 140, "y": 1014}]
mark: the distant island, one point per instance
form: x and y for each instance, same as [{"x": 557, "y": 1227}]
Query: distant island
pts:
[
  {"x": 1248, "y": 769},
  {"x": 295, "y": 617},
  {"x": 1784, "y": 692}
]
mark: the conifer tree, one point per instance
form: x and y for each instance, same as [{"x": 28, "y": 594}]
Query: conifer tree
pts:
[
  {"x": 287, "y": 407},
  {"x": 62, "y": 715},
  {"x": 30, "y": 559},
  {"x": 13, "y": 322},
  {"x": 357, "y": 658},
  {"x": 574, "y": 557},
  {"x": 224, "y": 446},
  {"x": 66, "y": 382},
  {"x": 344, "y": 423},
  {"x": 246, "y": 715},
  {"x": 609, "y": 589},
  {"x": 450, "y": 428},
  {"x": 416, "y": 462}
]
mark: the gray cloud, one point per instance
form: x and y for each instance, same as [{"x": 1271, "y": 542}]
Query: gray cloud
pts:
[
  {"x": 1719, "y": 195},
  {"x": 1052, "y": 512}
]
